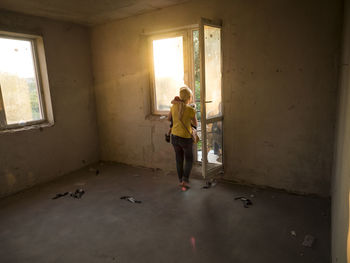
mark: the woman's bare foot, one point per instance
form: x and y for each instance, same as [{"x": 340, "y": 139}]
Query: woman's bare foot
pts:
[{"x": 181, "y": 184}]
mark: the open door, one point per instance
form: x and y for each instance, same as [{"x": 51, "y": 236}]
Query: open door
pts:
[{"x": 211, "y": 97}]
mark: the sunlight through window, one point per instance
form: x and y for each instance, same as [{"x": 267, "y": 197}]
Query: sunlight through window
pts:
[
  {"x": 168, "y": 70},
  {"x": 18, "y": 80}
]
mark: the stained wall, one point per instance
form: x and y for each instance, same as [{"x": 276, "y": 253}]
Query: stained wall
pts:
[
  {"x": 279, "y": 89},
  {"x": 35, "y": 156}
]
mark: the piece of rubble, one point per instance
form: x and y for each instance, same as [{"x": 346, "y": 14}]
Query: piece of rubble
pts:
[
  {"x": 78, "y": 193},
  {"x": 130, "y": 199}
]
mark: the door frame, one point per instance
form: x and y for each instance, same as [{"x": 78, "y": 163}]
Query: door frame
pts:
[{"x": 206, "y": 172}]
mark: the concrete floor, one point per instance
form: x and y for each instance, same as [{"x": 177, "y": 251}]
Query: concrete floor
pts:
[{"x": 169, "y": 226}]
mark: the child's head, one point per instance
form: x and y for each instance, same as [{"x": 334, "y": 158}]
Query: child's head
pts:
[{"x": 185, "y": 94}]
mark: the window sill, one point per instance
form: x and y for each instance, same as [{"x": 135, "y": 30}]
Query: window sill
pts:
[
  {"x": 26, "y": 128},
  {"x": 153, "y": 117}
]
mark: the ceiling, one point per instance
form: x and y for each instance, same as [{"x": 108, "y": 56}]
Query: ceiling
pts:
[{"x": 87, "y": 12}]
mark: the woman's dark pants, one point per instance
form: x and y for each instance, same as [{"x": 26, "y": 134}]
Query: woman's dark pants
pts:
[{"x": 183, "y": 152}]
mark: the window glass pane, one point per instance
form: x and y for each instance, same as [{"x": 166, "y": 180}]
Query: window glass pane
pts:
[
  {"x": 212, "y": 47},
  {"x": 214, "y": 142},
  {"x": 168, "y": 70},
  {"x": 18, "y": 81}
]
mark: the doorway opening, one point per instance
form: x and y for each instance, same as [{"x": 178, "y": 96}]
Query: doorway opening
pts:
[
  {"x": 210, "y": 98},
  {"x": 192, "y": 57}
]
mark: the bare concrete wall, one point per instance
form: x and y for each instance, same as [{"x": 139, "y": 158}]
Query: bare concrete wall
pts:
[
  {"x": 31, "y": 157},
  {"x": 341, "y": 176},
  {"x": 279, "y": 81}
]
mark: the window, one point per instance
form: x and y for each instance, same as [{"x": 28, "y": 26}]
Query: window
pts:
[
  {"x": 170, "y": 68},
  {"x": 24, "y": 90}
]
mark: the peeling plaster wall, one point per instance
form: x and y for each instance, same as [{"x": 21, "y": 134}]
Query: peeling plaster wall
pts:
[
  {"x": 341, "y": 176},
  {"x": 279, "y": 89},
  {"x": 34, "y": 156}
]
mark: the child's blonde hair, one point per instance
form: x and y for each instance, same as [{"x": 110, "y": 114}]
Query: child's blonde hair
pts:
[{"x": 185, "y": 94}]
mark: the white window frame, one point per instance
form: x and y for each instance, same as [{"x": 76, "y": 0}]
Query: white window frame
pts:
[
  {"x": 41, "y": 75},
  {"x": 186, "y": 33}
]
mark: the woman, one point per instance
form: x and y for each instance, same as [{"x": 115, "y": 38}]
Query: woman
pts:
[{"x": 182, "y": 116}]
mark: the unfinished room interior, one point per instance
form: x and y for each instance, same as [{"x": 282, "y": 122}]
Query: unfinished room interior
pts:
[{"x": 102, "y": 104}]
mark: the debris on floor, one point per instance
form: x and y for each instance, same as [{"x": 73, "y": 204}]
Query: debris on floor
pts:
[
  {"x": 209, "y": 184},
  {"x": 60, "y": 195},
  {"x": 246, "y": 202},
  {"x": 78, "y": 193},
  {"x": 130, "y": 199},
  {"x": 252, "y": 196},
  {"x": 309, "y": 241},
  {"x": 293, "y": 233}
]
